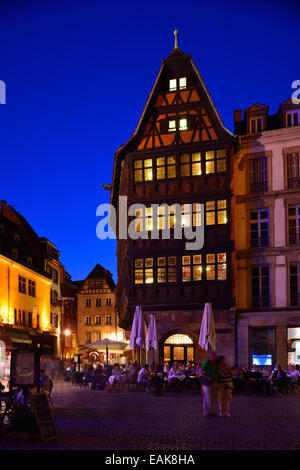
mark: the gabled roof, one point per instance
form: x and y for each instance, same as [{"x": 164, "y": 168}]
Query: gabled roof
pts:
[
  {"x": 257, "y": 107},
  {"x": 98, "y": 273},
  {"x": 176, "y": 54}
]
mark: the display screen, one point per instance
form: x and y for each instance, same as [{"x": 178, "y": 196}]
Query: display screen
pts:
[{"x": 262, "y": 360}]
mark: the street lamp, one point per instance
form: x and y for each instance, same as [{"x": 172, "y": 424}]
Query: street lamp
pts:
[{"x": 66, "y": 333}]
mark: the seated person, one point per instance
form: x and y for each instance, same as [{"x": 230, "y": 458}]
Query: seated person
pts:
[
  {"x": 176, "y": 377},
  {"x": 144, "y": 377},
  {"x": 293, "y": 375},
  {"x": 279, "y": 379},
  {"x": 116, "y": 376},
  {"x": 256, "y": 379}
]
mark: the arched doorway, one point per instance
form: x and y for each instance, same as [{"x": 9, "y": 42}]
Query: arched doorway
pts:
[{"x": 179, "y": 347}]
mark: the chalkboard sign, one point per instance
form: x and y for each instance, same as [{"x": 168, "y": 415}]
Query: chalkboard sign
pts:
[{"x": 44, "y": 416}]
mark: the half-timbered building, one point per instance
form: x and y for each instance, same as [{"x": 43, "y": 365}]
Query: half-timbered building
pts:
[{"x": 180, "y": 152}]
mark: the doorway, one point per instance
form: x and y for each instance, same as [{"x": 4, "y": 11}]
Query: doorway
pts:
[{"x": 179, "y": 347}]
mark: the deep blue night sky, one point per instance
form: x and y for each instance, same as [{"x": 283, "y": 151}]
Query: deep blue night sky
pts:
[{"x": 78, "y": 74}]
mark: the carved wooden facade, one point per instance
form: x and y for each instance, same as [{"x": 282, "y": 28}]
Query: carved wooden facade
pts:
[{"x": 181, "y": 153}]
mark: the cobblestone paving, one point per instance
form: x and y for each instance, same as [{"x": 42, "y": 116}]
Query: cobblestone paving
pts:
[{"x": 139, "y": 421}]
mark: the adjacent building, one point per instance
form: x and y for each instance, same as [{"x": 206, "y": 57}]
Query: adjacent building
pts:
[
  {"x": 24, "y": 286},
  {"x": 96, "y": 314},
  {"x": 267, "y": 234},
  {"x": 180, "y": 153}
]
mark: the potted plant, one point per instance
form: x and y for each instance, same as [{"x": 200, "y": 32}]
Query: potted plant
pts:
[{"x": 156, "y": 383}]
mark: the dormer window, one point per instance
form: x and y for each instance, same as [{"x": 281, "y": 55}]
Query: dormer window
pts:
[
  {"x": 255, "y": 125},
  {"x": 17, "y": 238},
  {"x": 29, "y": 261},
  {"x": 15, "y": 253},
  {"x": 293, "y": 118},
  {"x": 177, "y": 83}
]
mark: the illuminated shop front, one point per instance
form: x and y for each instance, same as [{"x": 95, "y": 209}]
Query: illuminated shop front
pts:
[
  {"x": 293, "y": 336},
  {"x": 178, "y": 347}
]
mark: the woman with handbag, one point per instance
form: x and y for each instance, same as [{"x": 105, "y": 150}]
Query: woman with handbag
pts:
[{"x": 225, "y": 382}]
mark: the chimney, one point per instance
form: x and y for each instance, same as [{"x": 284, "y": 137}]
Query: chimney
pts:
[
  {"x": 3, "y": 205},
  {"x": 237, "y": 115}
]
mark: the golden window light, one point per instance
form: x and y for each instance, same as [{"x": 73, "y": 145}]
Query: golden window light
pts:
[{"x": 179, "y": 339}]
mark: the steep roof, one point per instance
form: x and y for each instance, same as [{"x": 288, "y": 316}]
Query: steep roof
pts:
[
  {"x": 98, "y": 273},
  {"x": 176, "y": 56}
]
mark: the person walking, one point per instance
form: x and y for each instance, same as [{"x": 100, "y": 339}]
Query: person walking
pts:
[
  {"x": 225, "y": 386},
  {"x": 209, "y": 376}
]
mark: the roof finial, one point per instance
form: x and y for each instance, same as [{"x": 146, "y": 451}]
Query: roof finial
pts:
[{"x": 176, "y": 42}]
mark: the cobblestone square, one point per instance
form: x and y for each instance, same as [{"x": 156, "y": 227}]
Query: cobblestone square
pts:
[{"x": 98, "y": 420}]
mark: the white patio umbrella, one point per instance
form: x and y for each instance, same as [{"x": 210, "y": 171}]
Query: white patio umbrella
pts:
[
  {"x": 106, "y": 344},
  {"x": 207, "y": 338},
  {"x": 151, "y": 338},
  {"x": 137, "y": 334}
]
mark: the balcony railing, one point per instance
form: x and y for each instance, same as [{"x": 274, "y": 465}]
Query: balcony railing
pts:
[{"x": 259, "y": 187}]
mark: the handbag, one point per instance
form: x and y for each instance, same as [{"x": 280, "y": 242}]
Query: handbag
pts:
[{"x": 205, "y": 381}]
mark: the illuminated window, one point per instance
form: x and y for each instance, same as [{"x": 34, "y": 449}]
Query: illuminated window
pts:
[
  {"x": 196, "y": 164},
  {"x": 222, "y": 211},
  {"x": 172, "y": 269},
  {"x": 216, "y": 264},
  {"x": 210, "y": 212},
  {"x": 215, "y": 162},
  {"x": 161, "y": 270},
  {"x": 173, "y": 84},
  {"x": 222, "y": 266},
  {"x": 221, "y": 160},
  {"x": 143, "y": 272},
  {"x": 182, "y": 83},
  {"x": 191, "y": 268},
  {"x": 210, "y": 267},
  {"x": 143, "y": 170},
  {"x": 165, "y": 167},
  {"x": 191, "y": 214},
  {"x": 209, "y": 162},
  {"x": 143, "y": 219},
  {"x": 183, "y": 124},
  {"x": 172, "y": 125},
  {"x": 179, "y": 339},
  {"x": 149, "y": 270},
  {"x": 216, "y": 212}
]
